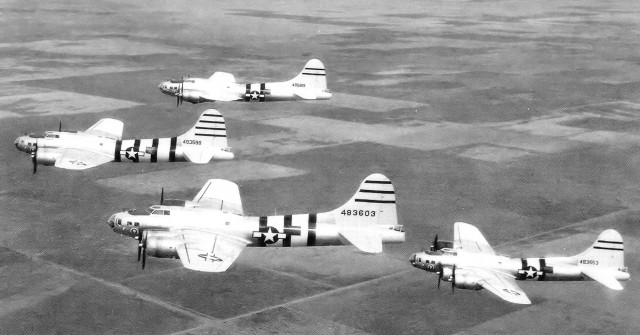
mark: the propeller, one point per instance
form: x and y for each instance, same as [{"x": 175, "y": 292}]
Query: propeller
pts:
[
  {"x": 453, "y": 278},
  {"x": 179, "y": 95},
  {"x": 139, "y": 238},
  {"x": 60, "y": 127},
  {"x": 162, "y": 196},
  {"x": 144, "y": 248},
  {"x": 34, "y": 158},
  {"x": 434, "y": 247},
  {"x": 439, "y": 272}
]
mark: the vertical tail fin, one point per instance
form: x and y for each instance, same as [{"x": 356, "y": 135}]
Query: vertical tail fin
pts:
[
  {"x": 370, "y": 217},
  {"x": 312, "y": 81},
  {"x": 207, "y": 139},
  {"x": 606, "y": 251}
]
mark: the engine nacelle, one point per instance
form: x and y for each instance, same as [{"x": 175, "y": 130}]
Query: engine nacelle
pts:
[
  {"x": 191, "y": 97},
  {"x": 46, "y": 157},
  {"x": 162, "y": 244},
  {"x": 466, "y": 280}
]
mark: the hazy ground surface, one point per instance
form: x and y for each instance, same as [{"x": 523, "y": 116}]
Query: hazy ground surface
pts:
[{"x": 521, "y": 118}]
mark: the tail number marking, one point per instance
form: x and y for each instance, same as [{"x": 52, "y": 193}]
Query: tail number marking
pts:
[
  {"x": 299, "y": 85},
  {"x": 195, "y": 142},
  {"x": 355, "y": 212},
  {"x": 588, "y": 261}
]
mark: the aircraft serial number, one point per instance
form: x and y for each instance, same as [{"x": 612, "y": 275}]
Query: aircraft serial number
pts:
[
  {"x": 299, "y": 85},
  {"x": 196, "y": 142},
  {"x": 355, "y": 212},
  {"x": 588, "y": 261}
]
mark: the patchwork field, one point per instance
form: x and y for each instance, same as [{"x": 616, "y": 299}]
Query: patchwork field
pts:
[{"x": 520, "y": 118}]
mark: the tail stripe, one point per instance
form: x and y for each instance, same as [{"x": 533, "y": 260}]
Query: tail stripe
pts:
[
  {"x": 377, "y": 182},
  {"x": 215, "y": 122},
  {"x": 211, "y": 128},
  {"x": 377, "y": 191},
  {"x": 314, "y": 68},
  {"x": 313, "y": 74},
  {"x": 210, "y": 135},
  {"x": 614, "y": 242},
  {"x": 603, "y": 248},
  {"x": 376, "y": 201},
  {"x": 212, "y": 115}
]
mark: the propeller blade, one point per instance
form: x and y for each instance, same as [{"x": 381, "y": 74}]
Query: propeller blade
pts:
[
  {"x": 34, "y": 159},
  {"x": 177, "y": 101},
  {"x": 453, "y": 278},
  {"x": 144, "y": 249},
  {"x": 139, "y": 244},
  {"x": 434, "y": 247},
  {"x": 162, "y": 196},
  {"x": 439, "y": 278},
  {"x": 60, "y": 126}
]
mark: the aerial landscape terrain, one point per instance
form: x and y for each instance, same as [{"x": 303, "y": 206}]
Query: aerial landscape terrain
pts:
[{"x": 520, "y": 118}]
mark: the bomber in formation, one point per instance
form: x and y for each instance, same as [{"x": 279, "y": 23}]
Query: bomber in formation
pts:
[
  {"x": 310, "y": 84},
  {"x": 209, "y": 232},
  {"x": 469, "y": 262},
  {"x": 102, "y": 143}
]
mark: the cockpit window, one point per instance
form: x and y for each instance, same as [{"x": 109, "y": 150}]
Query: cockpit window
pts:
[{"x": 137, "y": 212}]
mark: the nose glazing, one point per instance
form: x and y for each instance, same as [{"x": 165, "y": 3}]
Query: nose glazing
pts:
[{"x": 112, "y": 221}]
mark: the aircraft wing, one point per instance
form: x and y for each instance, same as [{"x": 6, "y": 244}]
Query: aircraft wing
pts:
[
  {"x": 109, "y": 128},
  {"x": 500, "y": 284},
  {"x": 601, "y": 276},
  {"x": 469, "y": 238},
  {"x": 79, "y": 159},
  {"x": 220, "y": 194},
  {"x": 208, "y": 252}
]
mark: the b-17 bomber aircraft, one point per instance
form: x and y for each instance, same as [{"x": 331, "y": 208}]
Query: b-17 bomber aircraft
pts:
[
  {"x": 469, "y": 262},
  {"x": 102, "y": 143},
  {"x": 310, "y": 84},
  {"x": 208, "y": 233}
]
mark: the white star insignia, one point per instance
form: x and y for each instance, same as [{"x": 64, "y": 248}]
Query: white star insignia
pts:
[
  {"x": 530, "y": 272},
  {"x": 269, "y": 235},
  {"x": 254, "y": 95}
]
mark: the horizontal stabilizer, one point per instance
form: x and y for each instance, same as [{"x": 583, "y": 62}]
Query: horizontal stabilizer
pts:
[
  {"x": 366, "y": 241},
  {"x": 602, "y": 276},
  {"x": 306, "y": 94}
]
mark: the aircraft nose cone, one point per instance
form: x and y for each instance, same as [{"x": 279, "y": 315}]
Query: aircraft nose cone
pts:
[
  {"x": 112, "y": 221},
  {"x": 412, "y": 259}
]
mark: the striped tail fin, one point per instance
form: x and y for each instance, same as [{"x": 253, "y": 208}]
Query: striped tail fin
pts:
[
  {"x": 311, "y": 83},
  {"x": 606, "y": 251},
  {"x": 368, "y": 216},
  {"x": 207, "y": 139}
]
